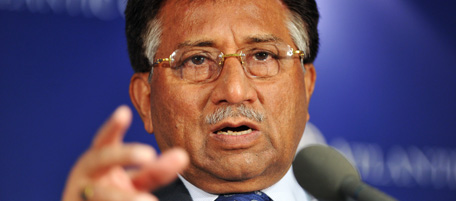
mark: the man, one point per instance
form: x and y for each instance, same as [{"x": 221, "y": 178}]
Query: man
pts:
[{"x": 233, "y": 94}]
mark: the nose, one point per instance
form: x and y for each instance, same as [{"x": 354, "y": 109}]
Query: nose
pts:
[{"x": 233, "y": 86}]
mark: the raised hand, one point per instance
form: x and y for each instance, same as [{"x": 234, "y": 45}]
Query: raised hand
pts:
[{"x": 113, "y": 170}]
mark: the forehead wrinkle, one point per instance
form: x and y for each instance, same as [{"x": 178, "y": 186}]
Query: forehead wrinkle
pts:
[
  {"x": 257, "y": 38},
  {"x": 190, "y": 14}
]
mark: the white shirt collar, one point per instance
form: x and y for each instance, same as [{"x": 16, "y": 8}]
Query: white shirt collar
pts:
[
  {"x": 196, "y": 193},
  {"x": 286, "y": 189}
]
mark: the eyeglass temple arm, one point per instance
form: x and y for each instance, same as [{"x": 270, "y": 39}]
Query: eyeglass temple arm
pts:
[
  {"x": 300, "y": 52},
  {"x": 158, "y": 61},
  {"x": 301, "y": 55}
]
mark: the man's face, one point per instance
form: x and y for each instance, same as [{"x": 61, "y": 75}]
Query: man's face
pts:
[{"x": 178, "y": 109}]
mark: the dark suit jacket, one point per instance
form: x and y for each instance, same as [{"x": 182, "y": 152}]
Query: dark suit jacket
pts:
[{"x": 176, "y": 191}]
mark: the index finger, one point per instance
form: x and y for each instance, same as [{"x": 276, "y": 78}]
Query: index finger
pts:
[{"x": 113, "y": 130}]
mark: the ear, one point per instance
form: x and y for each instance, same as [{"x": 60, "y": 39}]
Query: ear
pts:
[
  {"x": 309, "y": 79},
  {"x": 140, "y": 97}
]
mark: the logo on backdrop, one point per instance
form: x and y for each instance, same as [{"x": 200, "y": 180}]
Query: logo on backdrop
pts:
[
  {"x": 101, "y": 9},
  {"x": 430, "y": 167},
  {"x": 399, "y": 166}
]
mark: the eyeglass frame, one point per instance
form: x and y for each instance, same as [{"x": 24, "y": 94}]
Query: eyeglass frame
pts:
[{"x": 223, "y": 56}]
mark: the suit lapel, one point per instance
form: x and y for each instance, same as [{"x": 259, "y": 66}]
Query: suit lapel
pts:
[{"x": 176, "y": 191}]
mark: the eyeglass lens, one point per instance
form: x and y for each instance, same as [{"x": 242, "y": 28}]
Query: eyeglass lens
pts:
[{"x": 197, "y": 64}]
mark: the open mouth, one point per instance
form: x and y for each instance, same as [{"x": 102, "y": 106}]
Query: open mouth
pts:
[{"x": 240, "y": 130}]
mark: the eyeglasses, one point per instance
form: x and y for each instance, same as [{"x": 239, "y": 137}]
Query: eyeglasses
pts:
[{"x": 204, "y": 64}]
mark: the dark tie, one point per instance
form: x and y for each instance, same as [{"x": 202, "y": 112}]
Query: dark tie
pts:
[{"x": 252, "y": 196}]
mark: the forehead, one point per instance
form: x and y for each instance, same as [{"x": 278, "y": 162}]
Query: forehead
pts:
[{"x": 226, "y": 22}]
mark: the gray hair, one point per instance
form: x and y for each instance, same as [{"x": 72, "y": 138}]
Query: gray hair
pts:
[
  {"x": 298, "y": 33},
  {"x": 152, "y": 40}
]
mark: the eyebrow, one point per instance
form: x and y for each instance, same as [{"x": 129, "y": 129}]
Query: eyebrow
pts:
[
  {"x": 263, "y": 38},
  {"x": 198, "y": 43}
]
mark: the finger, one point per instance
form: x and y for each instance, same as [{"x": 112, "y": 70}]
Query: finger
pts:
[
  {"x": 113, "y": 130},
  {"x": 126, "y": 155},
  {"x": 163, "y": 171},
  {"x": 115, "y": 194}
]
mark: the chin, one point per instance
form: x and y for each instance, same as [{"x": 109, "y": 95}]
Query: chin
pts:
[
  {"x": 245, "y": 175},
  {"x": 240, "y": 167},
  {"x": 238, "y": 178},
  {"x": 244, "y": 183}
]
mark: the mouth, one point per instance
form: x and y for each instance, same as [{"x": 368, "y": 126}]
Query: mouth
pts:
[
  {"x": 236, "y": 135},
  {"x": 239, "y": 130}
]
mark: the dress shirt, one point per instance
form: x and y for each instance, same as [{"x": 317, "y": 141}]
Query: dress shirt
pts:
[{"x": 286, "y": 189}]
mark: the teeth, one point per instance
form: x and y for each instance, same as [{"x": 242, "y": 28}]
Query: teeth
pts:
[{"x": 229, "y": 132}]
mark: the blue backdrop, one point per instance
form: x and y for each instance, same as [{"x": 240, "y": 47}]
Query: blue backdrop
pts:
[{"x": 385, "y": 92}]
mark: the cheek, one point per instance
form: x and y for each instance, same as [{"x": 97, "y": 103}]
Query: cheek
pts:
[
  {"x": 286, "y": 105},
  {"x": 176, "y": 111}
]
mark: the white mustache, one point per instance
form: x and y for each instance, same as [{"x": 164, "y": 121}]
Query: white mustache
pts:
[{"x": 241, "y": 110}]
